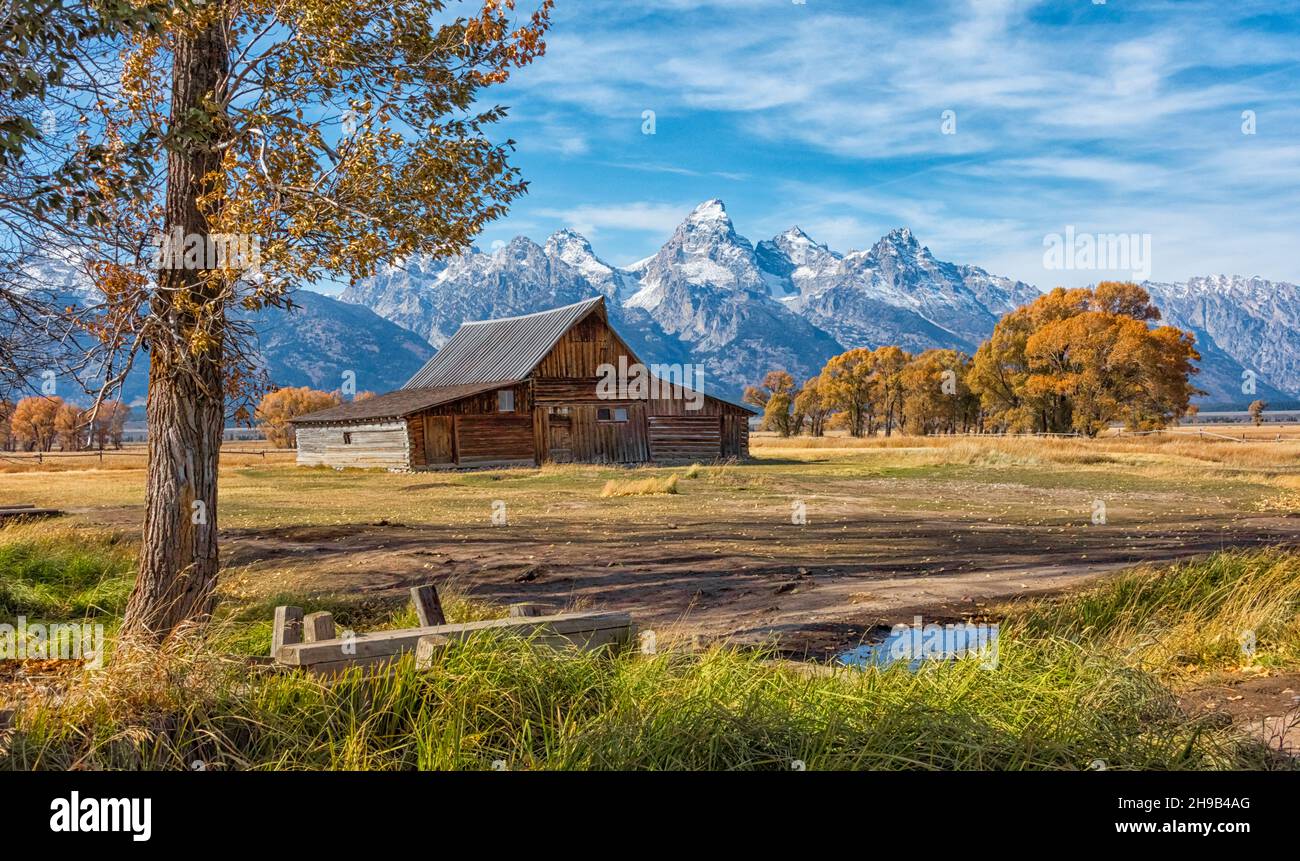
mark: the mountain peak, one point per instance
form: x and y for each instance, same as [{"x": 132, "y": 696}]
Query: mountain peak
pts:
[
  {"x": 710, "y": 210},
  {"x": 568, "y": 238},
  {"x": 901, "y": 236}
]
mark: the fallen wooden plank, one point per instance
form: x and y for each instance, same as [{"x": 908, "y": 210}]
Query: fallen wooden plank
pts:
[
  {"x": 28, "y": 511},
  {"x": 428, "y": 647},
  {"x": 585, "y": 630},
  {"x": 428, "y": 607}
]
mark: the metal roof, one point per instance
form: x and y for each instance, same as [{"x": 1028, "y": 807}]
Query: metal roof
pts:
[
  {"x": 496, "y": 350},
  {"x": 398, "y": 404}
]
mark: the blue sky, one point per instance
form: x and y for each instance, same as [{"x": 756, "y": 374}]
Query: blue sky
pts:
[{"x": 1122, "y": 116}]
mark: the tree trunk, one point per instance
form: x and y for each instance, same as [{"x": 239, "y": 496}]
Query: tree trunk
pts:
[{"x": 185, "y": 412}]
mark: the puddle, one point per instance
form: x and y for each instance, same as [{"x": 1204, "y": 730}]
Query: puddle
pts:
[{"x": 916, "y": 643}]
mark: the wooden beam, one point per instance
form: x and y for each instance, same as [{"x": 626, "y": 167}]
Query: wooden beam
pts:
[
  {"x": 428, "y": 608},
  {"x": 427, "y": 648},
  {"x": 287, "y": 628},
  {"x": 583, "y": 630},
  {"x": 317, "y": 627}
]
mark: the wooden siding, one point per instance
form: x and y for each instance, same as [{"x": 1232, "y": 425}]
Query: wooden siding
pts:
[
  {"x": 581, "y": 350},
  {"x": 486, "y": 403},
  {"x": 685, "y": 438},
  {"x": 503, "y": 438},
  {"x": 375, "y": 445},
  {"x": 735, "y": 436},
  {"x": 590, "y": 440}
]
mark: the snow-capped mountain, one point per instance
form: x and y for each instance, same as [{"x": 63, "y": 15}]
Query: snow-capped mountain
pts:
[
  {"x": 316, "y": 343},
  {"x": 1244, "y": 327},
  {"x": 710, "y": 295}
]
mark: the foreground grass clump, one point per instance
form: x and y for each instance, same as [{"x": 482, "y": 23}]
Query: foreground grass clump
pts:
[
  {"x": 1077, "y": 680},
  {"x": 1229, "y": 609},
  {"x": 60, "y": 572},
  {"x": 640, "y": 486},
  {"x": 1049, "y": 705}
]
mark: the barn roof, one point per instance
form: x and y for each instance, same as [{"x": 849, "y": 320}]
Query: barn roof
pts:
[
  {"x": 398, "y": 404},
  {"x": 496, "y": 350}
]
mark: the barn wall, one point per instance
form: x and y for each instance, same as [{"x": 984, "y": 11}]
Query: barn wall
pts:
[
  {"x": 375, "y": 445},
  {"x": 486, "y": 403},
  {"x": 581, "y": 350},
  {"x": 504, "y": 439},
  {"x": 685, "y": 438},
  {"x": 590, "y": 440}
]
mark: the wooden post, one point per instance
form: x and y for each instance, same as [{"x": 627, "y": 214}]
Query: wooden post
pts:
[
  {"x": 427, "y": 606},
  {"x": 427, "y": 648},
  {"x": 526, "y": 610},
  {"x": 287, "y": 629},
  {"x": 317, "y": 627}
]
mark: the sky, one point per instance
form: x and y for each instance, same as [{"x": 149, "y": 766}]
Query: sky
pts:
[{"x": 985, "y": 126}]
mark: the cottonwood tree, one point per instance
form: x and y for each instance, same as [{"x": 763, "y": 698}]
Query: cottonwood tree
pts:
[
  {"x": 936, "y": 396},
  {"x": 56, "y": 58},
  {"x": 776, "y": 398},
  {"x": 1078, "y": 360},
  {"x": 321, "y": 137},
  {"x": 276, "y": 409},
  {"x": 812, "y": 406}
]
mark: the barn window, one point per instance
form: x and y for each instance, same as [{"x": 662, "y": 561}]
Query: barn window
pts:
[
  {"x": 603, "y": 414},
  {"x": 620, "y": 414},
  {"x": 347, "y": 438},
  {"x": 611, "y": 414},
  {"x": 506, "y": 401}
]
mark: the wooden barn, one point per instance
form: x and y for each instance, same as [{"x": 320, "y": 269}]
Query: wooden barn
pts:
[{"x": 521, "y": 391}]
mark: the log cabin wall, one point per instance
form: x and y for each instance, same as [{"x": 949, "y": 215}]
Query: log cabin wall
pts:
[
  {"x": 360, "y": 445},
  {"x": 474, "y": 432}
]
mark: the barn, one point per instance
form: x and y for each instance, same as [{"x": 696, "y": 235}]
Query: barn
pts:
[{"x": 521, "y": 391}]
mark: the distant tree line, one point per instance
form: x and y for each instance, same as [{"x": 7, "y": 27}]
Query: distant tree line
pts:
[
  {"x": 1071, "y": 361},
  {"x": 277, "y": 408},
  {"x": 42, "y": 423}
]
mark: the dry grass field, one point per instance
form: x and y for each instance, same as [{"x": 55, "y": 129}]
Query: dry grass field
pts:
[
  {"x": 807, "y": 549},
  {"x": 889, "y": 526}
]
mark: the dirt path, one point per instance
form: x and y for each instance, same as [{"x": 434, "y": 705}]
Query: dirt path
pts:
[{"x": 814, "y": 588}]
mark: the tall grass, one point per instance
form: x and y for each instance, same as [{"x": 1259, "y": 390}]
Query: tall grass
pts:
[
  {"x": 1229, "y": 609},
  {"x": 1084, "y": 678},
  {"x": 1047, "y": 706},
  {"x": 60, "y": 572},
  {"x": 1077, "y": 680}
]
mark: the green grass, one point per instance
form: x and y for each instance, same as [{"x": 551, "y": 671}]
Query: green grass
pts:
[
  {"x": 1047, "y": 706},
  {"x": 1192, "y": 615},
  {"x": 58, "y": 572},
  {"x": 1079, "y": 679}
]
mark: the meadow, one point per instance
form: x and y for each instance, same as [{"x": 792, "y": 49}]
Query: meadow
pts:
[{"x": 1122, "y": 635}]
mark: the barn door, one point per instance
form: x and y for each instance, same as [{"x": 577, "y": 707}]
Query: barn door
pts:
[
  {"x": 560, "y": 442},
  {"x": 438, "y": 447}
]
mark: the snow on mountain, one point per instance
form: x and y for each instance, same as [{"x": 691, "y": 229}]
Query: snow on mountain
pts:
[
  {"x": 711, "y": 295},
  {"x": 313, "y": 344},
  {"x": 1252, "y": 321}
]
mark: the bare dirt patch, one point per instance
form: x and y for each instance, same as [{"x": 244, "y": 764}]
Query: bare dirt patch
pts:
[{"x": 811, "y": 589}]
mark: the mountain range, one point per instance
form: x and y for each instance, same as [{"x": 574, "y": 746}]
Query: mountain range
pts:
[{"x": 710, "y": 295}]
